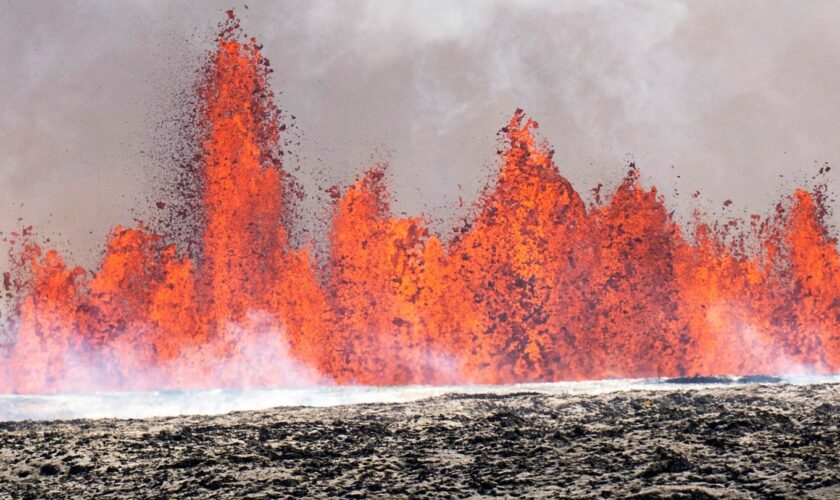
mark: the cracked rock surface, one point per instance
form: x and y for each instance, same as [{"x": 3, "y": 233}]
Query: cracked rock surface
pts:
[{"x": 750, "y": 441}]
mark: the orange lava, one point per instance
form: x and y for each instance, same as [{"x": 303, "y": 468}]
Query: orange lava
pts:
[{"x": 537, "y": 287}]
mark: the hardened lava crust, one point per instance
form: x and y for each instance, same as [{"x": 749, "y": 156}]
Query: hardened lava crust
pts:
[{"x": 745, "y": 441}]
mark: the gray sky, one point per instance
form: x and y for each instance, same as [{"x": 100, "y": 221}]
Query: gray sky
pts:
[{"x": 733, "y": 95}]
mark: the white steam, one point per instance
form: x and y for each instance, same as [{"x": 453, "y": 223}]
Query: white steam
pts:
[{"x": 219, "y": 401}]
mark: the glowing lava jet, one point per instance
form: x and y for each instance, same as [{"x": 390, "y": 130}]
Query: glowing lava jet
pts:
[{"x": 538, "y": 287}]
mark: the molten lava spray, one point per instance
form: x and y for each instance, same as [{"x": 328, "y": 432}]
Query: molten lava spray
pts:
[{"x": 537, "y": 287}]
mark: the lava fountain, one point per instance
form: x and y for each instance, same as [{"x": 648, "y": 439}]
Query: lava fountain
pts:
[{"x": 538, "y": 286}]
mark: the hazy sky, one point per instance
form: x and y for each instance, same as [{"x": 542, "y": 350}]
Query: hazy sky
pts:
[{"x": 729, "y": 96}]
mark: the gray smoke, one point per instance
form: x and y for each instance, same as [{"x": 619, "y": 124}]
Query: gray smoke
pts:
[{"x": 735, "y": 99}]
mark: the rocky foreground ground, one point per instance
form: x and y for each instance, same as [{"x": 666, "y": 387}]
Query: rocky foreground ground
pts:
[{"x": 731, "y": 442}]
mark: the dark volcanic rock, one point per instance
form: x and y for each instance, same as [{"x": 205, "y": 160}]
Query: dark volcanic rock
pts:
[
  {"x": 49, "y": 470},
  {"x": 699, "y": 380},
  {"x": 750, "y": 441}
]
